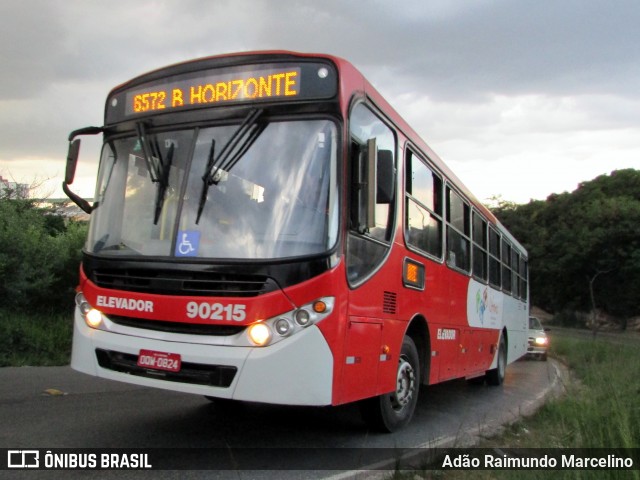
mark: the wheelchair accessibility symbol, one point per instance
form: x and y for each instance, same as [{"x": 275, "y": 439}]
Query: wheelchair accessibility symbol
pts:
[{"x": 187, "y": 243}]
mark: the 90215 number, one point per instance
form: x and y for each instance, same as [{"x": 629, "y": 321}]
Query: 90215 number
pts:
[{"x": 216, "y": 311}]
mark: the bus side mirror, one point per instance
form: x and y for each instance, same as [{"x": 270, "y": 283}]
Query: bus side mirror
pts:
[
  {"x": 374, "y": 180},
  {"x": 72, "y": 161},
  {"x": 386, "y": 177},
  {"x": 372, "y": 154}
]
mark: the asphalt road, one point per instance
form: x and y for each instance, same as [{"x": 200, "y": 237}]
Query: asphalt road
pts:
[{"x": 86, "y": 412}]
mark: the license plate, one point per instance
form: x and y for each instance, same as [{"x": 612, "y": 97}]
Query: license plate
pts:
[{"x": 159, "y": 360}]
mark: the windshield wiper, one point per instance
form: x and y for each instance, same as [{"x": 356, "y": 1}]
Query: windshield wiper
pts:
[
  {"x": 158, "y": 168},
  {"x": 205, "y": 179},
  {"x": 239, "y": 143},
  {"x": 153, "y": 162},
  {"x": 164, "y": 183}
]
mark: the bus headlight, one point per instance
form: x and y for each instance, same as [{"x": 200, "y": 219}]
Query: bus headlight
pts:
[
  {"x": 82, "y": 304},
  {"x": 259, "y": 333},
  {"x": 92, "y": 317},
  {"x": 283, "y": 327},
  {"x": 274, "y": 330},
  {"x": 303, "y": 317}
]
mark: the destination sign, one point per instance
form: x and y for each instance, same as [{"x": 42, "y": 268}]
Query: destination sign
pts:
[
  {"x": 184, "y": 87},
  {"x": 216, "y": 88}
]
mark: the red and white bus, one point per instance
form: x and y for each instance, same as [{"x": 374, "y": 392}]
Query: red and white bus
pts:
[{"x": 266, "y": 228}]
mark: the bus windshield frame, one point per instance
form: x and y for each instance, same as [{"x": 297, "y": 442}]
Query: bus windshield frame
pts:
[{"x": 277, "y": 199}]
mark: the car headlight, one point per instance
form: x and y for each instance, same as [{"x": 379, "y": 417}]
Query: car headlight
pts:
[{"x": 541, "y": 341}]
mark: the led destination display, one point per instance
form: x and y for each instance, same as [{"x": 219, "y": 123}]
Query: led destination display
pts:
[
  {"x": 252, "y": 85},
  {"x": 220, "y": 86}
]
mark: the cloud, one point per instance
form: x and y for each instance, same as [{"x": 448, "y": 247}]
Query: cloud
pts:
[
  {"x": 453, "y": 50},
  {"x": 467, "y": 72},
  {"x": 28, "y": 31}
]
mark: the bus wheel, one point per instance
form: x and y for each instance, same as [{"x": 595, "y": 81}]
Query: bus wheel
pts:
[
  {"x": 393, "y": 411},
  {"x": 225, "y": 405},
  {"x": 496, "y": 376}
]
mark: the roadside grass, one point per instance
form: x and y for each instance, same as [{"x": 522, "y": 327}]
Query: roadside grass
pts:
[
  {"x": 600, "y": 409},
  {"x": 35, "y": 339}
]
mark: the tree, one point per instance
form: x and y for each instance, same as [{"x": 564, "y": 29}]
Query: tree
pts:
[
  {"x": 39, "y": 257},
  {"x": 584, "y": 246}
]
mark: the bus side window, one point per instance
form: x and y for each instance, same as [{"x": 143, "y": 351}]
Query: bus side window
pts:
[
  {"x": 423, "y": 222},
  {"x": 479, "y": 247},
  {"x": 506, "y": 266},
  {"x": 458, "y": 232},
  {"x": 524, "y": 278},
  {"x": 495, "y": 273},
  {"x": 515, "y": 275},
  {"x": 373, "y": 147}
]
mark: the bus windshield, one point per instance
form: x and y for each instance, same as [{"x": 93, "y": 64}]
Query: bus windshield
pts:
[{"x": 278, "y": 198}]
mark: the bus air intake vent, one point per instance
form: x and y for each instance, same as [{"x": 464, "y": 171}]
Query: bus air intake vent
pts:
[
  {"x": 178, "y": 282},
  {"x": 390, "y": 303}
]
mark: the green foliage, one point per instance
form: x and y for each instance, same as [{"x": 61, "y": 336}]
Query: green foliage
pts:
[
  {"x": 39, "y": 257},
  {"x": 603, "y": 409},
  {"x": 591, "y": 235},
  {"x": 35, "y": 339}
]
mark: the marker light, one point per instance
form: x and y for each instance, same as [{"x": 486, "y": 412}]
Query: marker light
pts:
[
  {"x": 259, "y": 333},
  {"x": 319, "y": 306},
  {"x": 93, "y": 318}
]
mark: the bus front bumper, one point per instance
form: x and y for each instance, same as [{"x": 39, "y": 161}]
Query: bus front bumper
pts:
[{"x": 295, "y": 371}]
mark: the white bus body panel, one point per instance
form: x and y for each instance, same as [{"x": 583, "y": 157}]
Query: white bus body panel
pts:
[
  {"x": 492, "y": 309},
  {"x": 295, "y": 371},
  {"x": 516, "y": 319}
]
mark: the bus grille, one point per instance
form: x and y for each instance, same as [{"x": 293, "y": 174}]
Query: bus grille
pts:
[
  {"x": 173, "y": 282},
  {"x": 194, "y": 373},
  {"x": 177, "y": 327}
]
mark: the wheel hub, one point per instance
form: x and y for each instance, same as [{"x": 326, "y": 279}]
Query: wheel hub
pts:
[{"x": 405, "y": 386}]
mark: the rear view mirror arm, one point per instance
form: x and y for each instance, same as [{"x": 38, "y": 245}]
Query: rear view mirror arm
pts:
[{"x": 72, "y": 163}]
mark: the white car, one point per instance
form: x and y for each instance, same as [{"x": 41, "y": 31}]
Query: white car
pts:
[{"x": 538, "y": 340}]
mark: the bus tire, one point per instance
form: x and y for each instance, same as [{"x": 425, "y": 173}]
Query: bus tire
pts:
[
  {"x": 495, "y": 376},
  {"x": 225, "y": 404},
  {"x": 393, "y": 411}
]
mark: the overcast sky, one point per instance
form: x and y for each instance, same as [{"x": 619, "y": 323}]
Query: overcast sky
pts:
[{"x": 521, "y": 98}]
